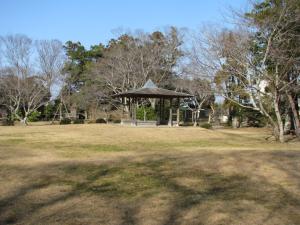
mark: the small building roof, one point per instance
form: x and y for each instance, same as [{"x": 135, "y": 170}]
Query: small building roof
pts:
[{"x": 150, "y": 90}]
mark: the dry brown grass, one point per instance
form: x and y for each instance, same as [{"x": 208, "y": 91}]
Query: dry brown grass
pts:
[{"x": 105, "y": 174}]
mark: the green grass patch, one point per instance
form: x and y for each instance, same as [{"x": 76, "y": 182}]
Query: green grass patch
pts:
[
  {"x": 11, "y": 141},
  {"x": 89, "y": 147},
  {"x": 201, "y": 143},
  {"x": 102, "y": 148},
  {"x": 134, "y": 180}
]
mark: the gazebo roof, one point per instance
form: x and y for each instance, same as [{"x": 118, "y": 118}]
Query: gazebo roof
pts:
[{"x": 150, "y": 90}]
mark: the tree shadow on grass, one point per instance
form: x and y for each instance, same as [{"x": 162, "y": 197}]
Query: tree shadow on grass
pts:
[
  {"x": 129, "y": 183},
  {"x": 227, "y": 188}
]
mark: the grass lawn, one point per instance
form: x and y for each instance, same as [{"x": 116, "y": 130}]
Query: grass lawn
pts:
[{"x": 108, "y": 174}]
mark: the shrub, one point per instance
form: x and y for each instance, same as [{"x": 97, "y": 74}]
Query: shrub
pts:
[
  {"x": 114, "y": 116},
  {"x": 150, "y": 113},
  {"x": 100, "y": 120},
  {"x": 206, "y": 125},
  {"x": 49, "y": 111},
  {"x": 255, "y": 119},
  {"x": 117, "y": 121},
  {"x": 65, "y": 121},
  {"x": 78, "y": 121},
  {"x": 8, "y": 122},
  {"x": 34, "y": 116}
]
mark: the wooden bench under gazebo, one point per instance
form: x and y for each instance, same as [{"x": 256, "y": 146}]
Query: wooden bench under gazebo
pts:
[{"x": 151, "y": 91}]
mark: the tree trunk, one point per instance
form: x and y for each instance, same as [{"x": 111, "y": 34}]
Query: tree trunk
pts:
[
  {"x": 195, "y": 118},
  {"x": 235, "y": 122},
  {"x": 279, "y": 132},
  {"x": 211, "y": 114},
  {"x": 295, "y": 115},
  {"x": 287, "y": 127},
  {"x": 60, "y": 108},
  {"x": 24, "y": 121}
]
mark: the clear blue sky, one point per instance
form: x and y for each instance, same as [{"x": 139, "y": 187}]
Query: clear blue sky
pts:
[{"x": 92, "y": 21}]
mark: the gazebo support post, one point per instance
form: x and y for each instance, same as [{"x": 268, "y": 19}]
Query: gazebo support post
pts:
[
  {"x": 123, "y": 109},
  {"x": 177, "y": 113},
  {"x": 163, "y": 111},
  {"x": 135, "y": 109},
  {"x": 159, "y": 112},
  {"x": 170, "y": 123},
  {"x": 132, "y": 107},
  {"x": 129, "y": 107}
]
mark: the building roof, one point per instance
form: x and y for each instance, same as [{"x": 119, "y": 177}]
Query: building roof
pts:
[{"x": 150, "y": 90}]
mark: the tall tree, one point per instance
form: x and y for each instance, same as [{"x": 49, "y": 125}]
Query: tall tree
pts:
[
  {"x": 130, "y": 61},
  {"x": 202, "y": 91},
  {"x": 255, "y": 55},
  {"x": 27, "y": 86},
  {"x": 278, "y": 24},
  {"x": 80, "y": 90},
  {"x": 50, "y": 57}
]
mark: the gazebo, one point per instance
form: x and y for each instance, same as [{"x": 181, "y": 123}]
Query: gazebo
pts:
[{"x": 150, "y": 90}]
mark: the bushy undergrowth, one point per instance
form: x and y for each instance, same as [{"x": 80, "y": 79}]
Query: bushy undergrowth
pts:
[
  {"x": 149, "y": 112},
  {"x": 78, "y": 121},
  {"x": 206, "y": 125},
  {"x": 100, "y": 120},
  {"x": 65, "y": 121},
  {"x": 34, "y": 116},
  {"x": 8, "y": 122}
]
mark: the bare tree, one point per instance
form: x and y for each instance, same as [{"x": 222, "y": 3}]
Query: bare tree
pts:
[
  {"x": 26, "y": 86},
  {"x": 16, "y": 51},
  {"x": 50, "y": 60},
  {"x": 129, "y": 61},
  {"x": 10, "y": 92},
  {"x": 201, "y": 90},
  {"x": 261, "y": 75}
]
